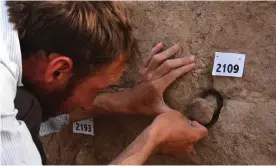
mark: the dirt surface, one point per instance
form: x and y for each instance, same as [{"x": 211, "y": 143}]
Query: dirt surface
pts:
[{"x": 246, "y": 130}]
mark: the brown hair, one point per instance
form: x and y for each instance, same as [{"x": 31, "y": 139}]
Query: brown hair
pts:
[{"x": 90, "y": 33}]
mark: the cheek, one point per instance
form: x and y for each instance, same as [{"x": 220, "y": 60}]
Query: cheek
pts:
[
  {"x": 97, "y": 83},
  {"x": 115, "y": 74},
  {"x": 34, "y": 75},
  {"x": 82, "y": 96}
]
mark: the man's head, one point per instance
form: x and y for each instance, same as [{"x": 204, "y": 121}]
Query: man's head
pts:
[{"x": 71, "y": 50}]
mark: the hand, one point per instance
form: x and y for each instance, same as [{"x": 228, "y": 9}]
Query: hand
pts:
[
  {"x": 170, "y": 133},
  {"x": 176, "y": 134},
  {"x": 146, "y": 97},
  {"x": 156, "y": 75}
]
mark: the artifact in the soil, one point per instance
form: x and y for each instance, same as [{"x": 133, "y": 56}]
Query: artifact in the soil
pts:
[{"x": 206, "y": 110}]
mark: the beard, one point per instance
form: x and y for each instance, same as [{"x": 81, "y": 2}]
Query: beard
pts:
[{"x": 50, "y": 101}]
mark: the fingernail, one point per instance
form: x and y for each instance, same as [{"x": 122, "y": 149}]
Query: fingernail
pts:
[
  {"x": 177, "y": 45},
  {"x": 192, "y": 58},
  {"x": 180, "y": 50},
  {"x": 195, "y": 124}
]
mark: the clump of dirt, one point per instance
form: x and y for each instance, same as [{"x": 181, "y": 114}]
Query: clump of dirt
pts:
[
  {"x": 200, "y": 110},
  {"x": 246, "y": 130}
]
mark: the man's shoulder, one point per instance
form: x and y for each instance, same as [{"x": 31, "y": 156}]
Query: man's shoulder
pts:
[{"x": 10, "y": 41}]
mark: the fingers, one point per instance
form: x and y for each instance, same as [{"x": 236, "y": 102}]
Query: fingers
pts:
[
  {"x": 171, "y": 64},
  {"x": 200, "y": 130},
  {"x": 161, "y": 57},
  {"x": 155, "y": 50},
  {"x": 167, "y": 79}
]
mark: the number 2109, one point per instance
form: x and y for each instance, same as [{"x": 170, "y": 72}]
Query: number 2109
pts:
[{"x": 227, "y": 68}]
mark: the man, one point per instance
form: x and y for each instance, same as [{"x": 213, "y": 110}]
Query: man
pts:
[{"x": 72, "y": 51}]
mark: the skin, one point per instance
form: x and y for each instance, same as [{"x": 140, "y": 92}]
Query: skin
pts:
[
  {"x": 175, "y": 140},
  {"x": 170, "y": 133}
]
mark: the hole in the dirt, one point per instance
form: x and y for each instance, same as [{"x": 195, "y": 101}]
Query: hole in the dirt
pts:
[{"x": 219, "y": 101}]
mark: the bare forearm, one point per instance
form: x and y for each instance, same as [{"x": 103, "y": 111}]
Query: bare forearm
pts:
[
  {"x": 141, "y": 100},
  {"x": 110, "y": 103},
  {"x": 140, "y": 149},
  {"x": 105, "y": 104}
]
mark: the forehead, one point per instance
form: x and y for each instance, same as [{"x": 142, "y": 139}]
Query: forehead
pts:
[{"x": 112, "y": 67}]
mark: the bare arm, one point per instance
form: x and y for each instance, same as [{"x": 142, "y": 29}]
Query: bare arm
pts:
[
  {"x": 170, "y": 133},
  {"x": 146, "y": 97},
  {"x": 105, "y": 104},
  {"x": 139, "y": 150}
]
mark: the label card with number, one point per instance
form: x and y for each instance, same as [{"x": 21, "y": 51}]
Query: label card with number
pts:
[
  {"x": 228, "y": 64},
  {"x": 84, "y": 127}
]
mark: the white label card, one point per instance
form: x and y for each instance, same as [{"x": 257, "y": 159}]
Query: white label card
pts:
[
  {"x": 84, "y": 127},
  {"x": 228, "y": 64}
]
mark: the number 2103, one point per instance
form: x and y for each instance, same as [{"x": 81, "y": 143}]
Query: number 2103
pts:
[{"x": 227, "y": 68}]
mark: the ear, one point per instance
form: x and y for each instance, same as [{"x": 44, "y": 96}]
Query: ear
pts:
[{"x": 59, "y": 69}]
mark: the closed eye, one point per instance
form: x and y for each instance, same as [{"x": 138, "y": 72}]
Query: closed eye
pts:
[{"x": 109, "y": 89}]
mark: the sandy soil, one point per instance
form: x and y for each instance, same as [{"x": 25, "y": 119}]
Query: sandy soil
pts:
[{"x": 246, "y": 130}]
